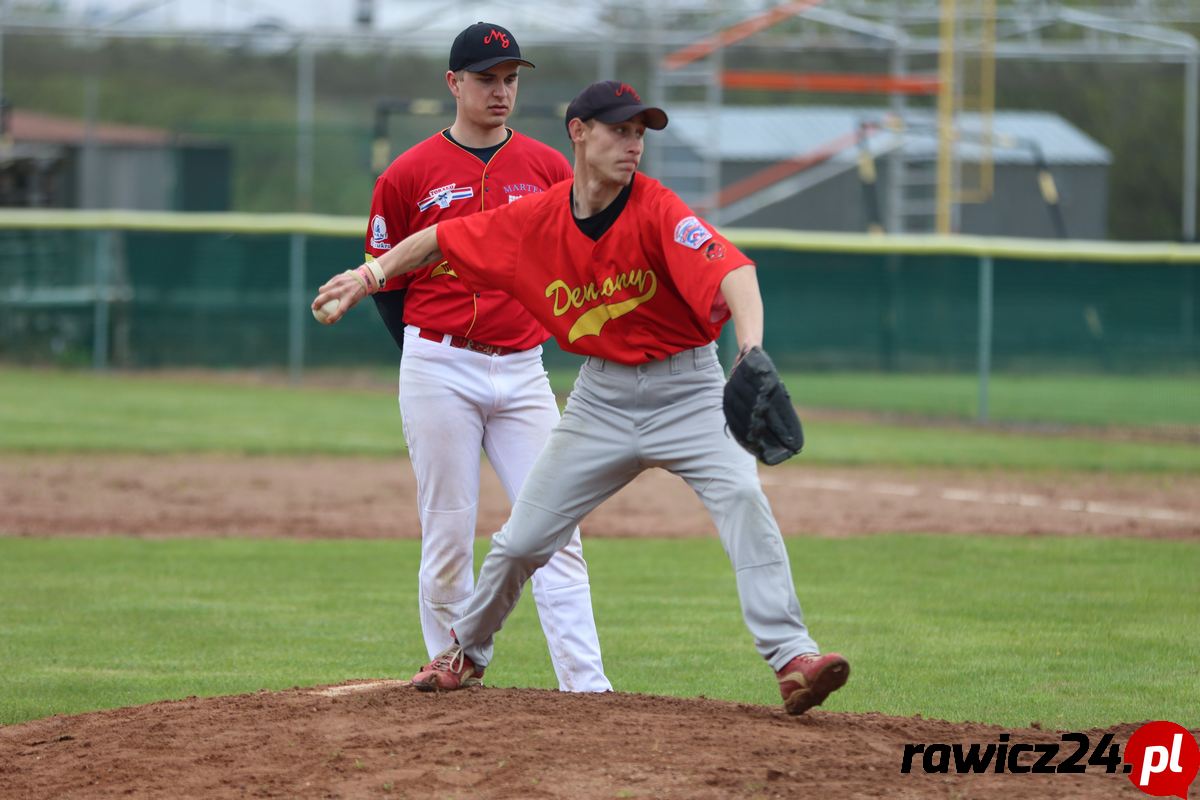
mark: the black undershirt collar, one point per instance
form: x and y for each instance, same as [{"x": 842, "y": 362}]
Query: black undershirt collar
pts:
[
  {"x": 484, "y": 154},
  {"x": 594, "y": 226}
]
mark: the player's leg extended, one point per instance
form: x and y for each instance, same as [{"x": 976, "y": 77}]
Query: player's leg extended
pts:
[
  {"x": 444, "y": 430},
  {"x": 588, "y": 456},
  {"x": 688, "y": 435},
  {"x": 513, "y": 437}
]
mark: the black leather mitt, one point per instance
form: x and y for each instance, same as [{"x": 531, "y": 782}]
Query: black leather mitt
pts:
[{"x": 759, "y": 412}]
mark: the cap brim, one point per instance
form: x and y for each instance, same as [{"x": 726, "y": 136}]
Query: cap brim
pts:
[
  {"x": 488, "y": 63},
  {"x": 656, "y": 118}
]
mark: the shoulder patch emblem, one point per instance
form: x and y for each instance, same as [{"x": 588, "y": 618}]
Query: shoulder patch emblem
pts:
[
  {"x": 715, "y": 251},
  {"x": 443, "y": 196},
  {"x": 379, "y": 234},
  {"x": 690, "y": 232}
]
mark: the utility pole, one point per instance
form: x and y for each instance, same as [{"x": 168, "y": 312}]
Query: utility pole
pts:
[{"x": 364, "y": 14}]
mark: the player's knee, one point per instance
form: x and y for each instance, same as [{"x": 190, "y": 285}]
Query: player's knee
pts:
[
  {"x": 738, "y": 491},
  {"x": 447, "y": 584}
]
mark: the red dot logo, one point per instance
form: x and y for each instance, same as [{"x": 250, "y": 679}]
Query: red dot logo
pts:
[{"x": 1164, "y": 758}]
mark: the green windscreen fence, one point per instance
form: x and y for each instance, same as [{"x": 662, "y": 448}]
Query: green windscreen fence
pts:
[
  {"x": 231, "y": 291},
  {"x": 921, "y": 312}
]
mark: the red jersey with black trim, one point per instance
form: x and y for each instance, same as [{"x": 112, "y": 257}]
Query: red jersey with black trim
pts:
[
  {"x": 437, "y": 180},
  {"x": 646, "y": 289}
]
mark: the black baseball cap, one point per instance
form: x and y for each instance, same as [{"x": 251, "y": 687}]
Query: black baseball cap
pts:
[
  {"x": 612, "y": 102},
  {"x": 483, "y": 46}
]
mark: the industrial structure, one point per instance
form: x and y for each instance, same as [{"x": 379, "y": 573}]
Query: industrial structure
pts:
[{"x": 942, "y": 57}]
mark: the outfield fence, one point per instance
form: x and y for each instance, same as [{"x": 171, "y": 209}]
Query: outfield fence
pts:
[{"x": 147, "y": 290}]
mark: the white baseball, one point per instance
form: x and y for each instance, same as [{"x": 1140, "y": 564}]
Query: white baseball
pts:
[{"x": 326, "y": 311}]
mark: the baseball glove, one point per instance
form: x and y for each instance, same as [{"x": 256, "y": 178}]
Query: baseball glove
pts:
[{"x": 759, "y": 412}]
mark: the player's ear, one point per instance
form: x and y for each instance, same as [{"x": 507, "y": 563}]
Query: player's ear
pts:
[
  {"x": 452, "y": 81},
  {"x": 576, "y": 128}
]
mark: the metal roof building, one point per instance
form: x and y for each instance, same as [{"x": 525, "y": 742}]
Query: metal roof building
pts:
[{"x": 798, "y": 168}]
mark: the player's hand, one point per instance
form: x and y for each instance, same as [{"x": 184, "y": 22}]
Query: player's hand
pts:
[{"x": 337, "y": 296}]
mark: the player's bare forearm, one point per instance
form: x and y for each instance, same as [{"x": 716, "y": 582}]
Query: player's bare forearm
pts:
[
  {"x": 740, "y": 289},
  {"x": 347, "y": 288},
  {"x": 414, "y": 252}
]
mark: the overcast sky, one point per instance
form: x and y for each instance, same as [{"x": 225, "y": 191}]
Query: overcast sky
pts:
[{"x": 339, "y": 15}]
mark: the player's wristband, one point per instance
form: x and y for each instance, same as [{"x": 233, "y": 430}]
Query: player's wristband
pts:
[
  {"x": 377, "y": 271},
  {"x": 363, "y": 282},
  {"x": 369, "y": 279}
]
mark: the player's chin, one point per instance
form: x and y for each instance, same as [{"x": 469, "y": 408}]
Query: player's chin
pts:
[{"x": 624, "y": 170}]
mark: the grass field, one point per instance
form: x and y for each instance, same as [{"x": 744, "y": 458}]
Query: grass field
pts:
[
  {"x": 1067, "y": 632},
  {"x": 52, "y": 411}
]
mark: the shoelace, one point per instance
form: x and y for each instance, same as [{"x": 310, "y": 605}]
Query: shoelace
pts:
[{"x": 451, "y": 659}]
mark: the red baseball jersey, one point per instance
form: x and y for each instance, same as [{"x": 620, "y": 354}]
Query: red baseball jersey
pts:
[
  {"x": 437, "y": 180},
  {"x": 646, "y": 289}
]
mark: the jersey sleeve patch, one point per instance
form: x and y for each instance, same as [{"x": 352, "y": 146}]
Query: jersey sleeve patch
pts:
[
  {"x": 379, "y": 233},
  {"x": 690, "y": 232}
]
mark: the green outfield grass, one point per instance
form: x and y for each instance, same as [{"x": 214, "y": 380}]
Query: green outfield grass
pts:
[
  {"x": 59, "y": 411},
  {"x": 1094, "y": 400},
  {"x": 1070, "y": 633},
  {"x": 1099, "y": 400}
]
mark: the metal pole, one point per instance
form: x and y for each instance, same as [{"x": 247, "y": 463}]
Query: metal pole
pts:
[
  {"x": 985, "y": 333},
  {"x": 3, "y": 18},
  {"x": 606, "y": 63},
  {"x": 894, "y": 217},
  {"x": 89, "y": 162},
  {"x": 296, "y": 307},
  {"x": 1190, "y": 112},
  {"x": 305, "y": 80},
  {"x": 102, "y": 255},
  {"x": 945, "y": 117}
]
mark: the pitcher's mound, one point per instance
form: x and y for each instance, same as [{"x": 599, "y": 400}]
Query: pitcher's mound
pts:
[{"x": 383, "y": 739}]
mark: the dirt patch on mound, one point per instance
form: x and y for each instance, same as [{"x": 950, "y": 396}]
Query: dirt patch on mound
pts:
[
  {"x": 374, "y": 498},
  {"x": 392, "y": 741}
]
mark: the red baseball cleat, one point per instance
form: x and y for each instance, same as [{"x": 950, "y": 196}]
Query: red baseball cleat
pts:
[
  {"x": 808, "y": 679},
  {"x": 450, "y": 670}
]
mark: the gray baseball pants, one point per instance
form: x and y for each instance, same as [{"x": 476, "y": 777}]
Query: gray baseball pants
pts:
[{"x": 619, "y": 421}]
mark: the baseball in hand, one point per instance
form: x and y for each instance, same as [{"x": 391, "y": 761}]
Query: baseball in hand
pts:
[{"x": 325, "y": 311}]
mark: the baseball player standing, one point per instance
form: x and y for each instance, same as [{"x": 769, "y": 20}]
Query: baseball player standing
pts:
[
  {"x": 619, "y": 269},
  {"x": 471, "y": 371}
]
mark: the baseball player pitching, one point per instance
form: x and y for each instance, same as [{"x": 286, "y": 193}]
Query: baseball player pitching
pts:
[
  {"x": 471, "y": 373},
  {"x": 620, "y": 270}
]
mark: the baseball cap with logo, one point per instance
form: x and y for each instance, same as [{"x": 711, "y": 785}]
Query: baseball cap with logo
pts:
[
  {"x": 483, "y": 46},
  {"x": 612, "y": 102}
]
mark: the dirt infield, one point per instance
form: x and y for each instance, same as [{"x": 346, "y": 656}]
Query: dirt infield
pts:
[
  {"x": 159, "y": 496},
  {"x": 383, "y": 739}
]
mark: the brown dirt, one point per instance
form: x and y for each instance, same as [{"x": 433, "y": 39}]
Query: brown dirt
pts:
[
  {"x": 391, "y": 741},
  {"x": 383, "y": 739},
  {"x": 162, "y": 496}
]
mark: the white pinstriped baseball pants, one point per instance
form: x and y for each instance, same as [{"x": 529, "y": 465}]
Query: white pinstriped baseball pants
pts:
[
  {"x": 618, "y": 422},
  {"x": 455, "y": 402}
]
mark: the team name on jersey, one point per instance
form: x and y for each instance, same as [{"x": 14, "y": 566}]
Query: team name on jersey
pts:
[
  {"x": 521, "y": 188},
  {"x": 516, "y": 191},
  {"x": 566, "y": 297},
  {"x": 443, "y": 196}
]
